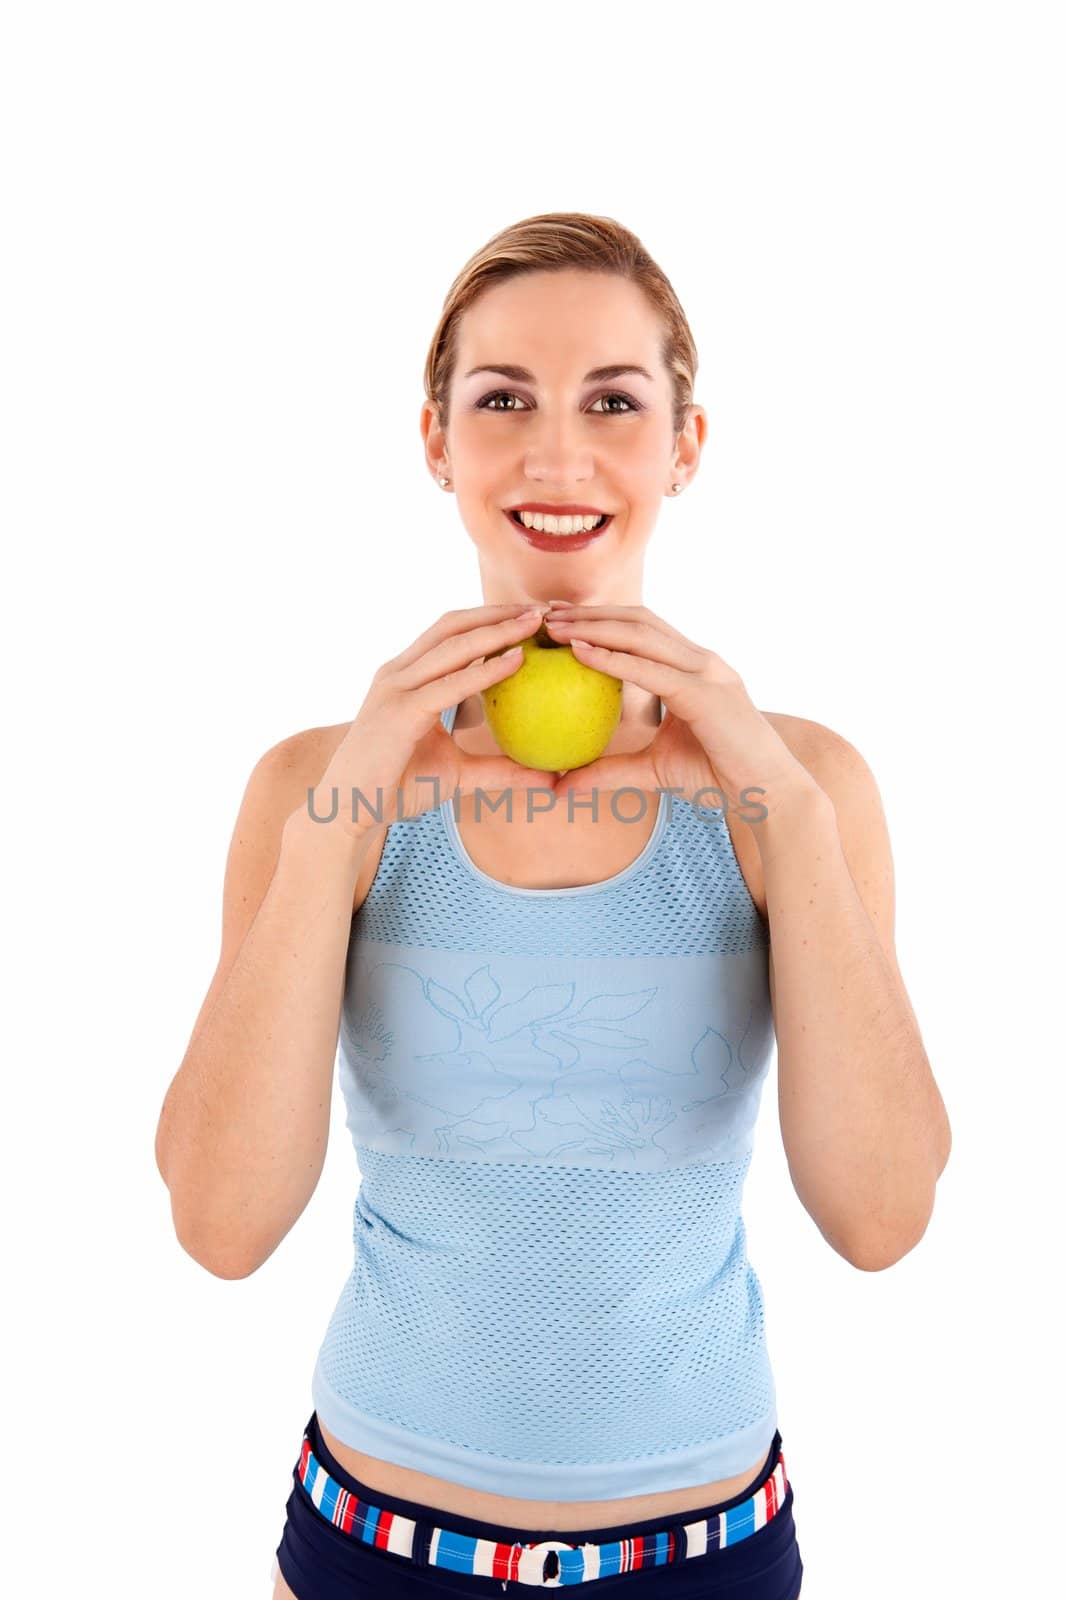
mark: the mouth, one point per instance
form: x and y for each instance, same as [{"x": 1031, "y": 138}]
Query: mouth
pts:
[{"x": 577, "y": 536}]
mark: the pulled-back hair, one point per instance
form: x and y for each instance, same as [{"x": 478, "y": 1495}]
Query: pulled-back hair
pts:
[{"x": 554, "y": 242}]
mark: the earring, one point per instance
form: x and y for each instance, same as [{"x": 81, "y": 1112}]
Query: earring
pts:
[
  {"x": 444, "y": 482},
  {"x": 676, "y": 488}
]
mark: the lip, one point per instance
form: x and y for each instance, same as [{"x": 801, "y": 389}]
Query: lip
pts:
[
  {"x": 557, "y": 511},
  {"x": 560, "y": 544}
]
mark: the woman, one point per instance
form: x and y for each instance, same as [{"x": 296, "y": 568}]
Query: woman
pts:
[{"x": 549, "y": 1362}]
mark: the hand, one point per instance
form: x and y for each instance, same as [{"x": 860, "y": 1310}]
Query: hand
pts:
[
  {"x": 712, "y": 738},
  {"x": 396, "y": 740}
]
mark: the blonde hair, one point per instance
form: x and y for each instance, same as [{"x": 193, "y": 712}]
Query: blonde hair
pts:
[{"x": 553, "y": 242}]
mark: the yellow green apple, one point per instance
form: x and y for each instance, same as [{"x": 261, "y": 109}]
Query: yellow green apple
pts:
[{"x": 553, "y": 712}]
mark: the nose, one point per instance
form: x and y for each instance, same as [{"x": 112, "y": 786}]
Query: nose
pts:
[{"x": 558, "y": 452}]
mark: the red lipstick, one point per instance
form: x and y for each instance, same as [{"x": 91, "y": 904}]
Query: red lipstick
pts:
[{"x": 561, "y": 544}]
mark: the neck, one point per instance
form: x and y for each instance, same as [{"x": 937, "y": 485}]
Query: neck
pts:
[{"x": 622, "y": 586}]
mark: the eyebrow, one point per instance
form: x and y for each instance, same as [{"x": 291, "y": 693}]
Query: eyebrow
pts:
[{"x": 597, "y": 375}]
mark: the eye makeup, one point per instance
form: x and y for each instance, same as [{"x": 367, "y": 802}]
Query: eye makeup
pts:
[{"x": 609, "y": 394}]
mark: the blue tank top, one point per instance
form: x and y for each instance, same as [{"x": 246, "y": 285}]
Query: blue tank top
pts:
[{"x": 552, "y": 1096}]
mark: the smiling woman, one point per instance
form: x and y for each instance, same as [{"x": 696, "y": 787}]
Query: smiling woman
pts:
[
  {"x": 597, "y": 420},
  {"x": 549, "y": 1363},
  {"x": 524, "y": 1394}
]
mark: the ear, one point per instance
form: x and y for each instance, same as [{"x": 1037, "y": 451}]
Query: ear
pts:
[{"x": 434, "y": 441}]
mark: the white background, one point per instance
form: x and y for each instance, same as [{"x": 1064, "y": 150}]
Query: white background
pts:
[{"x": 229, "y": 230}]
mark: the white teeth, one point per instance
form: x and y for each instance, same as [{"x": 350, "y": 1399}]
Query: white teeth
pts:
[{"x": 540, "y": 522}]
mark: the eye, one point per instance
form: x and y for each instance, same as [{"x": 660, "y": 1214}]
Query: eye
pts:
[
  {"x": 616, "y": 395},
  {"x": 498, "y": 394},
  {"x": 490, "y": 403}
]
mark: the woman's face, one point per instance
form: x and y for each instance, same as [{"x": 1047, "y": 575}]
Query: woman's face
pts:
[{"x": 553, "y": 436}]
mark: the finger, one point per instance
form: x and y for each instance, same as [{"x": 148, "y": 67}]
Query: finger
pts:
[
  {"x": 454, "y": 623},
  {"x": 623, "y": 613},
  {"x": 634, "y": 770},
  {"x": 495, "y": 773},
  {"x": 651, "y": 675},
  {"x": 456, "y": 652},
  {"x": 456, "y": 687},
  {"x": 668, "y": 649}
]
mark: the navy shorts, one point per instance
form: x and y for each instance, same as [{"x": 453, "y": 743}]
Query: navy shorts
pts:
[{"x": 343, "y": 1540}]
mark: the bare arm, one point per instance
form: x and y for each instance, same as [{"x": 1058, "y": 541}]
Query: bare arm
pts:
[
  {"x": 244, "y": 1126},
  {"x": 865, "y": 1128},
  {"x": 243, "y": 1131}
]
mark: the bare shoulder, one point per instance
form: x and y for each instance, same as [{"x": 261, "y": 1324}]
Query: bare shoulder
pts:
[
  {"x": 298, "y": 760},
  {"x": 277, "y": 787},
  {"x": 305, "y": 745},
  {"x": 832, "y": 760},
  {"x": 279, "y": 781},
  {"x": 805, "y": 738}
]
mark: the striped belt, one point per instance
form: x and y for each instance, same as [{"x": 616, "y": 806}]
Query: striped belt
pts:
[{"x": 549, "y": 1563}]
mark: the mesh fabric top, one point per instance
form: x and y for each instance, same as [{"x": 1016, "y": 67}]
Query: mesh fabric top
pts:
[{"x": 552, "y": 1094}]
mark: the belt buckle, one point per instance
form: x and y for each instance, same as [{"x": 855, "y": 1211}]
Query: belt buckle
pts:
[{"x": 532, "y": 1563}]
